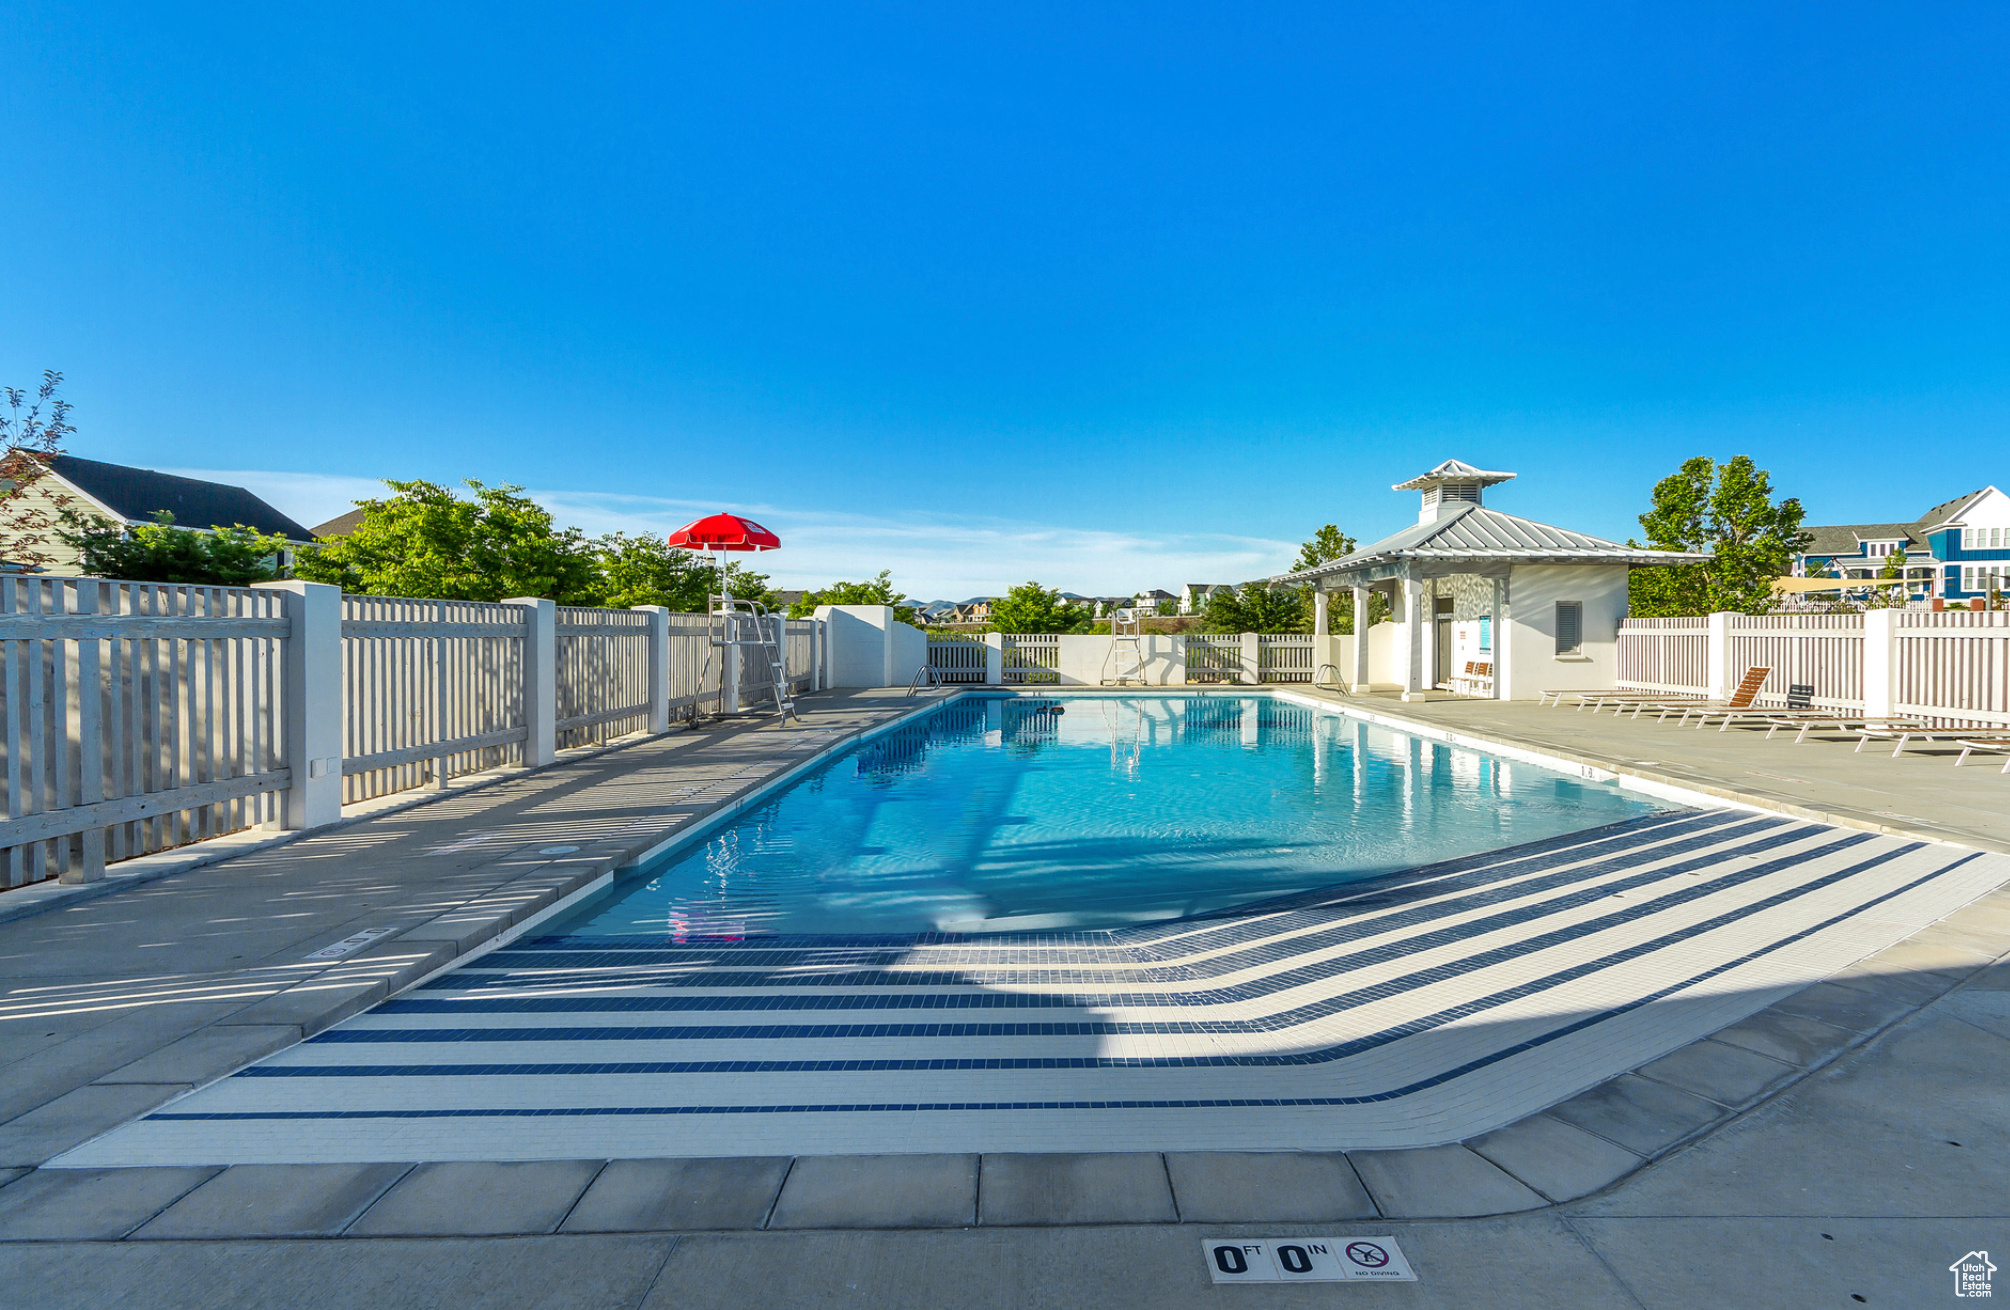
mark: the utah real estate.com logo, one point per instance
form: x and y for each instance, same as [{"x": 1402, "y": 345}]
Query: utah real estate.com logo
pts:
[{"x": 1971, "y": 1274}]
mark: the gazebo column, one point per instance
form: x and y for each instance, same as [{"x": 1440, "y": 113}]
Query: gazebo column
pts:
[
  {"x": 1499, "y": 637},
  {"x": 1361, "y": 595},
  {"x": 1319, "y": 616},
  {"x": 1413, "y": 638}
]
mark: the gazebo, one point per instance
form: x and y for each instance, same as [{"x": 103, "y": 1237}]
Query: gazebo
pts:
[{"x": 1539, "y": 605}]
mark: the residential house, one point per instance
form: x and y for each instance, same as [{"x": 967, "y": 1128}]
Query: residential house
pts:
[
  {"x": 1193, "y": 597},
  {"x": 133, "y": 496},
  {"x": 1958, "y": 550}
]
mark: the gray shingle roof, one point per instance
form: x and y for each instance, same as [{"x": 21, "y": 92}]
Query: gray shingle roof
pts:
[
  {"x": 1480, "y": 534},
  {"x": 137, "y": 494}
]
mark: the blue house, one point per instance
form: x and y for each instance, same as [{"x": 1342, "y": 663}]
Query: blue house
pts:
[{"x": 1958, "y": 550}]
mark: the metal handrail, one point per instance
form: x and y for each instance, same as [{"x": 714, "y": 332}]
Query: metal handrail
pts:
[
  {"x": 1337, "y": 684},
  {"x": 915, "y": 681}
]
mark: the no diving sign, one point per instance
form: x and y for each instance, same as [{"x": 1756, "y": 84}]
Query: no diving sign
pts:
[{"x": 1306, "y": 1260}]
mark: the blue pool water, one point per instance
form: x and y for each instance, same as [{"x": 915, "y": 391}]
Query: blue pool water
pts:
[{"x": 998, "y": 813}]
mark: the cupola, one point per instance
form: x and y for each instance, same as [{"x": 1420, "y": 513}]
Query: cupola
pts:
[{"x": 1450, "y": 487}]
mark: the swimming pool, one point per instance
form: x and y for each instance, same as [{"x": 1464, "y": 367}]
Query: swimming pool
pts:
[{"x": 999, "y": 813}]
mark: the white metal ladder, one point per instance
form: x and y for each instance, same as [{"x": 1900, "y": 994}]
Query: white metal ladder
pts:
[
  {"x": 1125, "y": 661},
  {"x": 735, "y": 616}
]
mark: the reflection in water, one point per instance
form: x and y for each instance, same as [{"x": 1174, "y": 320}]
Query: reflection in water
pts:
[{"x": 1003, "y": 813}]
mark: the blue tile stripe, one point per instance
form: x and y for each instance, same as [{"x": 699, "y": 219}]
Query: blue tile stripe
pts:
[
  {"x": 1254, "y": 989},
  {"x": 1320, "y": 1009},
  {"x": 1411, "y": 1088}
]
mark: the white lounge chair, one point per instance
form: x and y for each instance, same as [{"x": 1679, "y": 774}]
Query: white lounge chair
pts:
[{"x": 1970, "y": 744}]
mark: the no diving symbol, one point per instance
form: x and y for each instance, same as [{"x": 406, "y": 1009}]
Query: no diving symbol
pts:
[{"x": 1367, "y": 1255}]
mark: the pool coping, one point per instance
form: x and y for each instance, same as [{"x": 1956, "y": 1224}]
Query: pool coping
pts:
[{"x": 1888, "y": 994}]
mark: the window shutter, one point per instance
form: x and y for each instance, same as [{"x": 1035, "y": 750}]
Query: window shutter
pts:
[{"x": 1569, "y": 627}]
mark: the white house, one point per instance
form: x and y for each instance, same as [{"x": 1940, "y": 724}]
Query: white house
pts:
[{"x": 1539, "y": 604}]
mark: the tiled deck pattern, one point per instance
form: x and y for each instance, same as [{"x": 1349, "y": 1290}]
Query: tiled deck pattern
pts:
[{"x": 1418, "y": 1010}]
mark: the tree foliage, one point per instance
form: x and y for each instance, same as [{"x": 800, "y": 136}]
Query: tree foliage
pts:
[
  {"x": 1726, "y": 510},
  {"x": 637, "y": 569},
  {"x": 1327, "y": 545},
  {"x": 1258, "y": 608},
  {"x": 427, "y": 541},
  {"x": 161, "y": 552},
  {"x": 877, "y": 591},
  {"x": 1030, "y": 607},
  {"x": 27, "y": 441}
]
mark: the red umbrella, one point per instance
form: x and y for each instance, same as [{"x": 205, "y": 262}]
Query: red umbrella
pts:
[{"x": 724, "y": 532}]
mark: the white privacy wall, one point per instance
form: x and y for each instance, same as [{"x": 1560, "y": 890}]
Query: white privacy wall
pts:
[{"x": 1533, "y": 593}]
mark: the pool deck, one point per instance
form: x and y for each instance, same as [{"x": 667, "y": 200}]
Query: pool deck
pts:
[{"x": 1814, "y": 1138}]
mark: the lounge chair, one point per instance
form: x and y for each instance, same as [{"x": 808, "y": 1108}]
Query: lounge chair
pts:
[
  {"x": 1808, "y": 720},
  {"x": 1902, "y": 735},
  {"x": 1741, "y": 699},
  {"x": 1598, "y": 700},
  {"x": 1970, "y": 744}
]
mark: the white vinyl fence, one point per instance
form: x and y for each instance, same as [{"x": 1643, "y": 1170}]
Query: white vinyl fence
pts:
[
  {"x": 958, "y": 658},
  {"x": 1031, "y": 658},
  {"x": 1212, "y": 657},
  {"x": 1951, "y": 668},
  {"x": 135, "y": 718}
]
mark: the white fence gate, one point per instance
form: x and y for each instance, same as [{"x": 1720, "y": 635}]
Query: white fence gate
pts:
[
  {"x": 1212, "y": 657},
  {"x": 1032, "y": 657},
  {"x": 959, "y": 659}
]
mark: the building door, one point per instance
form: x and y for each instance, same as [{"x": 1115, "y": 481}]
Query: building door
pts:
[{"x": 1441, "y": 645}]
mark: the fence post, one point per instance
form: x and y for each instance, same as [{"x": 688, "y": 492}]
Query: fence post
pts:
[
  {"x": 1717, "y": 666},
  {"x": 994, "y": 659},
  {"x": 1252, "y": 658},
  {"x": 1880, "y": 663},
  {"x": 540, "y": 679},
  {"x": 659, "y": 666},
  {"x": 313, "y": 703}
]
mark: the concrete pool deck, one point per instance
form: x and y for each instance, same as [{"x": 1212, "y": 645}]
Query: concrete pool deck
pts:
[{"x": 1840, "y": 1086}]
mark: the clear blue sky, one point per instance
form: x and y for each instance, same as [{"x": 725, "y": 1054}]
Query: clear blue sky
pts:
[{"x": 1110, "y": 296}]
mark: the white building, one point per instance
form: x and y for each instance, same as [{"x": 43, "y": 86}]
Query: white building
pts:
[{"x": 1539, "y": 605}]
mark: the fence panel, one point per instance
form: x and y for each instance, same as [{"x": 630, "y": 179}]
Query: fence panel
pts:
[
  {"x": 430, "y": 689},
  {"x": 800, "y": 636},
  {"x": 1671, "y": 655},
  {"x": 1953, "y": 668},
  {"x": 602, "y": 682},
  {"x": 1032, "y": 658},
  {"x": 1284, "y": 657},
  {"x": 1212, "y": 657},
  {"x": 1824, "y": 651},
  {"x": 959, "y": 659},
  {"x": 134, "y": 718}
]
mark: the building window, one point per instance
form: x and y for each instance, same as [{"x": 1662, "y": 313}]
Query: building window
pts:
[
  {"x": 1985, "y": 538},
  {"x": 1569, "y": 627}
]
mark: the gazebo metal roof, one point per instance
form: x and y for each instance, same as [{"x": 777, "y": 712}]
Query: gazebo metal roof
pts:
[{"x": 1481, "y": 539}]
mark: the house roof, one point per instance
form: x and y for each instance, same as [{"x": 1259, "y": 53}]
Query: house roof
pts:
[
  {"x": 136, "y": 495},
  {"x": 1949, "y": 511},
  {"x": 1473, "y": 532},
  {"x": 1846, "y": 538},
  {"x": 341, "y": 525}
]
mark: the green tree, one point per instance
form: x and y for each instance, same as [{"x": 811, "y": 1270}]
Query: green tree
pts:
[
  {"x": 1257, "y": 608},
  {"x": 1327, "y": 545},
  {"x": 637, "y": 569},
  {"x": 29, "y": 521},
  {"x": 426, "y": 541},
  {"x": 161, "y": 552},
  {"x": 1726, "y": 510},
  {"x": 1030, "y": 607},
  {"x": 878, "y": 591}
]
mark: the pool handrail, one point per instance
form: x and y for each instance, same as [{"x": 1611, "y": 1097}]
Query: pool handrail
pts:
[
  {"x": 1337, "y": 684},
  {"x": 915, "y": 681}
]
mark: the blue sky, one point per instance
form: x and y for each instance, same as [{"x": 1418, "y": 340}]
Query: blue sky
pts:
[{"x": 1110, "y": 296}]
